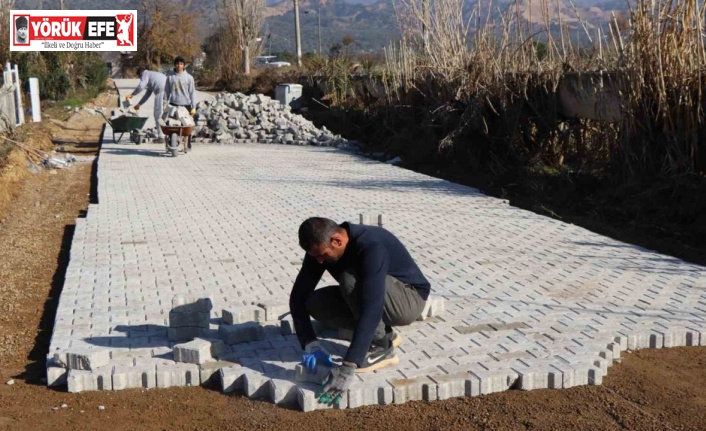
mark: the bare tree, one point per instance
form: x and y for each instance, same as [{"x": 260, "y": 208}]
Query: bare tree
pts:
[
  {"x": 166, "y": 30},
  {"x": 244, "y": 20},
  {"x": 5, "y": 7}
]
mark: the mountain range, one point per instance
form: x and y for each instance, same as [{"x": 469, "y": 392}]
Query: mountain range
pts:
[{"x": 371, "y": 24}]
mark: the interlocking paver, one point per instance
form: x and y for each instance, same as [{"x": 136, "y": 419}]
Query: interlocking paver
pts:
[{"x": 519, "y": 299}]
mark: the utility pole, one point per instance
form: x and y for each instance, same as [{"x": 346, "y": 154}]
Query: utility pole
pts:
[{"x": 297, "y": 34}]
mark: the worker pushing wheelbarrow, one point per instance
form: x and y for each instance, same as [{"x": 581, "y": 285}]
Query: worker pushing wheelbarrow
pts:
[
  {"x": 178, "y": 126},
  {"x": 180, "y": 94}
]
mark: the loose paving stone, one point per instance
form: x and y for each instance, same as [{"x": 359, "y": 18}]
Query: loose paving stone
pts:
[
  {"x": 521, "y": 300},
  {"x": 198, "y": 351},
  {"x": 244, "y": 314}
]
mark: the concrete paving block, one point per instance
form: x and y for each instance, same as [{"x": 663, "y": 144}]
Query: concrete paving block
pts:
[
  {"x": 177, "y": 375},
  {"x": 416, "y": 389},
  {"x": 56, "y": 376},
  {"x": 283, "y": 392},
  {"x": 148, "y": 362},
  {"x": 241, "y": 333},
  {"x": 425, "y": 311},
  {"x": 454, "y": 385},
  {"x": 80, "y": 381},
  {"x": 134, "y": 377},
  {"x": 622, "y": 342},
  {"x": 243, "y": 314},
  {"x": 188, "y": 319},
  {"x": 59, "y": 358},
  {"x": 360, "y": 395},
  {"x": 307, "y": 400},
  {"x": 638, "y": 341},
  {"x": 209, "y": 372},
  {"x": 437, "y": 306},
  {"x": 87, "y": 358},
  {"x": 256, "y": 385},
  {"x": 198, "y": 351},
  {"x": 693, "y": 337},
  {"x": 184, "y": 334},
  {"x": 676, "y": 338},
  {"x": 99, "y": 379},
  {"x": 614, "y": 349},
  {"x": 532, "y": 378},
  {"x": 434, "y": 307},
  {"x": 301, "y": 374},
  {"x": 192, "y": 304},
  {"x": 493, "y": 381},
  {"x": 275, "y": 310},
  {"x": 232, "y": 378},
  {"x": 287, "y": 326}
]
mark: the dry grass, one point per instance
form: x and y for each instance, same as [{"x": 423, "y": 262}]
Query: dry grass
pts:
[{"x": 507, "y": 71}]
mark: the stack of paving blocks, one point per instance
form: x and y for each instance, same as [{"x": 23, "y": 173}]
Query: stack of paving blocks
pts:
[
  {"x": 86, "y": 368},
  {"x": 177, "y": 117},
  {"x": 248, "y": 322},
  {"x": 189, "y": 318}
]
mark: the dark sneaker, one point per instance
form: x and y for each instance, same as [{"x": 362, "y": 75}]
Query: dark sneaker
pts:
[{"x": 377, "y": 357}]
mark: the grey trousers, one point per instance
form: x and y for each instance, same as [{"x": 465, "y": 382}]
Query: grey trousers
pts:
[
  {"x": 339, "y": 306},
  {"x": 157, "y": 112}
]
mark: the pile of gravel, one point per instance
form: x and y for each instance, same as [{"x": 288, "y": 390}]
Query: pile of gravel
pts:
[{"x": 234, "y": 118}]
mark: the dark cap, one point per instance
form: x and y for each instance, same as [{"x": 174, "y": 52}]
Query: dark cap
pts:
[
  {"x": 21, "y": 22},
  {"x": 179, "y": 59}
]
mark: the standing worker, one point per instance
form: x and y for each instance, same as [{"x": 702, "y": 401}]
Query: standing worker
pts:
[
  {"x": 154, "y": 83},
  {"x": 181, "y": 90}
]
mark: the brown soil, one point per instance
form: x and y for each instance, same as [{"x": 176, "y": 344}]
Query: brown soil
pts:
[{"x": 649, "y": 390}]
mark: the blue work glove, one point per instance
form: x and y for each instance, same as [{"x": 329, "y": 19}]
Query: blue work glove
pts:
[
  {"x": 338, "y": 382},
  {"x": 316, "y": 353},
  {"x": 310, "y": 360}
]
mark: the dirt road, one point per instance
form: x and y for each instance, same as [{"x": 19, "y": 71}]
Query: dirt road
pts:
[{"x": 649, "y": 390}]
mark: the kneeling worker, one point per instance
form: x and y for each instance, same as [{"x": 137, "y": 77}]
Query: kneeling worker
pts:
[{"x": 380, "y": 286}]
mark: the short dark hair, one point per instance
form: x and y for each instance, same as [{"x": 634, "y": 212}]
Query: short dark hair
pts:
[
  {"x": 179, "y": 59},
  {"x": 139, "y": 70},
  {"x": 316, "y": 231}
]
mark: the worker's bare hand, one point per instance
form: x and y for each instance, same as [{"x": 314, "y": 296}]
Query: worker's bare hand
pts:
[
  {"x": 128, "y": 97},
  {"x": 193, "y": 111},
  {"x": 137, "y": 107}
]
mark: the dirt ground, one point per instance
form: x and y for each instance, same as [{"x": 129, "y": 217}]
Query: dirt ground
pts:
[{"x": 648, "y": 390}]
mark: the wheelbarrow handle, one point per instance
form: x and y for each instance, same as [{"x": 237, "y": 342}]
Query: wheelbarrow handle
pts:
[{"x": 106, "y": 118}]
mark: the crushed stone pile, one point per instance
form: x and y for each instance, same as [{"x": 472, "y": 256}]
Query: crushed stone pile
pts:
[{"x": 234, "y": 118}]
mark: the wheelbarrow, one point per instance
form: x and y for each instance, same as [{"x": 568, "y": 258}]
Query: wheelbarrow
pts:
[
  {"x": 176, "y": 136},
  {"x": 124, "y": 124}
]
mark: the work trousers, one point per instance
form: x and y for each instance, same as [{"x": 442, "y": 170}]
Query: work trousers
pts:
[{"x": 339, "y": 306}]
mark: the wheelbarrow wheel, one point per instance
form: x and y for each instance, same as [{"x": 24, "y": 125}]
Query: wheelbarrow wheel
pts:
[{"x": 174, "y": 144}]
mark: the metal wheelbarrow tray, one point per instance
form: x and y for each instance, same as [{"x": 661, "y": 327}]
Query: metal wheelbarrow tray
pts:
[{"x": 125, "y": 124}]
